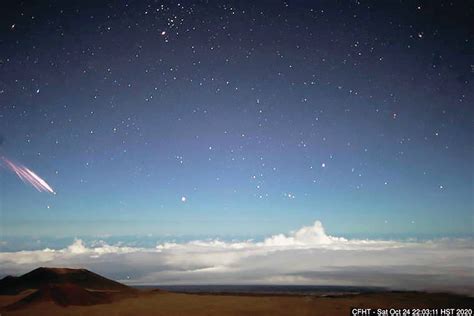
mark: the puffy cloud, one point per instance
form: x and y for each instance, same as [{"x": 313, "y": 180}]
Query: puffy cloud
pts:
[
  {"x": 306, "y": 256},
  {"x": 306, "y": 236},
  {"x": 77, "y": 247},
  {"x": 75, "y": 250}
]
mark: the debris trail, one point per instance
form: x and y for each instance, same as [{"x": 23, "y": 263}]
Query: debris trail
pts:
[{"x": 28, "y": 176}]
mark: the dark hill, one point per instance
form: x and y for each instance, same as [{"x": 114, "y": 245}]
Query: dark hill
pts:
[
  {"x": 44, "y": 277},
  {"x": 63, "y": 295}
]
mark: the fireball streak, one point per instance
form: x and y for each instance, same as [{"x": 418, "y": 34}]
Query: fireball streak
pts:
[{"x": 28, "y": 176}]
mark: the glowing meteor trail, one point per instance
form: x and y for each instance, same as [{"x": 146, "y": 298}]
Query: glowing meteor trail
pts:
[{"x": 28, "y": 176}]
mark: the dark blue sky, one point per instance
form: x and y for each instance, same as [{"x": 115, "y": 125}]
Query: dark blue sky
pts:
[{"x": 237, "y": 118}]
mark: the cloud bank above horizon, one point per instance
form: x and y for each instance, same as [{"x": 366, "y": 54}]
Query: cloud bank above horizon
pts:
[{"x": 306, "y": 256}]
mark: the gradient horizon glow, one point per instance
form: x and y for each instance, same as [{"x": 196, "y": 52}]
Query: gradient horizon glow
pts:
[{"x": 237, "y": 119}]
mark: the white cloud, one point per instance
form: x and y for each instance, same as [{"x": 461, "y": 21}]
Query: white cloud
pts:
[
  {"x": 306, "y": 236},
  {"x": 306, "y": 256}
]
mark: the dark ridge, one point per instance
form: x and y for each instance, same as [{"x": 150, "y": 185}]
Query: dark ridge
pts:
[
  {"x": 42, "y": 277},
  {"x": 63, "y": 295}
]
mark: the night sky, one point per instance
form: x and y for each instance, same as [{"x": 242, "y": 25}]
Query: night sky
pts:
[{"x": 237, "y": 118}]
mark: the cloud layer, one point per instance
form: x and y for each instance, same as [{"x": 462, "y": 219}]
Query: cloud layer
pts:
[{"x": 306, "y": 256}]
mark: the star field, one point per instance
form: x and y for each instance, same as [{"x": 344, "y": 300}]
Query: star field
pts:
[{"x": 238, "y": 117}]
